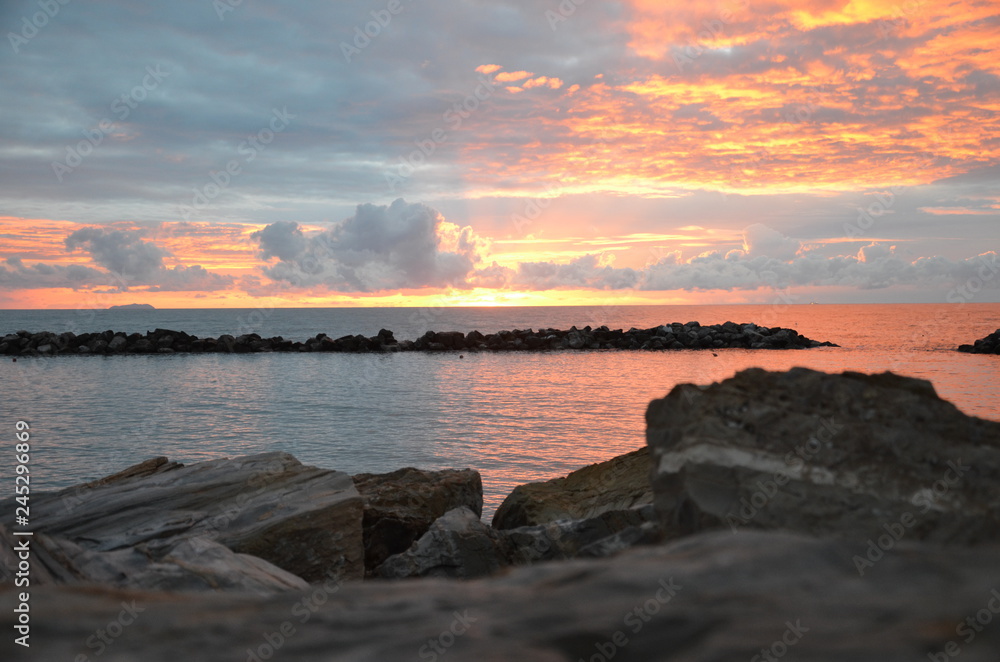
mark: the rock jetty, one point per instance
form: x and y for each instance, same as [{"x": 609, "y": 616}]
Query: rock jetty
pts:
[
  {"x": 988, "y": 345},
  {"x": 691, "y": 335}
]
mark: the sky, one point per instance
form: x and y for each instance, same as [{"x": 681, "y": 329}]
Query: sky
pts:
[{"x": 235, "y": 153}]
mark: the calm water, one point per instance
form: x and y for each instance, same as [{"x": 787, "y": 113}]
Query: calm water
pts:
[{"x": 514, "y": 417}]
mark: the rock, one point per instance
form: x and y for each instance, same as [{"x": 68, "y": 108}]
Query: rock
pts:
[
  {"x": 458, "y": 544},
  {"x": 142, "y": 346},
  {"x": 400, "y": 506},
  {"x": 618, "y": 484},
  {"x": 672, "y": 336},
  {"x": 186, "y": 564},
  {"x": 306, "y": 521},
  {"x": 601, "y": 535},
  {"x": 149, "y": 467},
  {"x": 850, "y": 454},
  {"x": 988, "y": 345},
  {"x": 709, "y": 597}
]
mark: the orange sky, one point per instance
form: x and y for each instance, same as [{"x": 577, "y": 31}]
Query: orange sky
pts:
[{"x": 628, "y": 152}]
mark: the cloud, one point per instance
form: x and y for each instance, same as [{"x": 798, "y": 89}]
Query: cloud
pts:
[
  {"x": 121, "y": 251},
  {"x": 15, "y": 275},
  {"x": 587, "y": 271},
  {"x": 380, "y": 247},
  {"x": 760, "y": 240},
  {"x": 128, "y": 262}
]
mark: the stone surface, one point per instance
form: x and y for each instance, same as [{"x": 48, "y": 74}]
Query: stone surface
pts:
[
  {"x": 460, "y": 545},
  {"x": 849, "y": 454},
  {"x": 400, "y": 506},
  {"x": 601, "y": 535},
  {"x": 988, "y": 345},
  {"x": 306, "y": 521},
  {"x": 184, "y": 564},
  {"x": 618, "y": 484},
  {"x": 733, "y": 596}
]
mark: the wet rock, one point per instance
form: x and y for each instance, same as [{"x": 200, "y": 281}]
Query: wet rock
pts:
[
  {"x": 617, "y": 484},
  {"x": 849, "y": 454}
]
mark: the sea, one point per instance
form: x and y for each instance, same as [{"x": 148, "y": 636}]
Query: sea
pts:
[{"x": 514, "y": 417}]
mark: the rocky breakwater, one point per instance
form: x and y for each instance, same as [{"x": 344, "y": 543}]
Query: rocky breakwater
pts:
[
  {"x": 691, "y": 335},
  {"x": 872, "y": 457},
  {"x": 988, "y": 345}
]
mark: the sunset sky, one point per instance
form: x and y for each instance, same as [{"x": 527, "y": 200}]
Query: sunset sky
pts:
[{"x": 463, "y": 152}]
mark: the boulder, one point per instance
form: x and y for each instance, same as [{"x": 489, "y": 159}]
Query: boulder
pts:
[
  {"x": 460, "y": 545},
  {"x": 457, "y": 545},
  {"x": 850, "y": 454},
  {"x": 400, "y": 506},
  {"x": 601, "y": 535},
  {"x": 617, "y": 484},
  {"x": 988, "y": 345},
  {"x": 714, "y": 596},
  {"x": 179, "y": 564},
  {"x": 306, "y": 521}
]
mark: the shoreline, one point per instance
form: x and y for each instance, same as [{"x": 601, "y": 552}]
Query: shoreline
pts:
[{"x": 671, "y": 336}]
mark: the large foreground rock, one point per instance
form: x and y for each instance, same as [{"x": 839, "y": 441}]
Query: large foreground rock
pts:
[
  {"x": 304, "y": 520},
  {"x": 618, "y": 484},
  {"x": 400, "y": 506},
  {"x": 713, "y": 597},
  {"x": 850, "y": 454}
]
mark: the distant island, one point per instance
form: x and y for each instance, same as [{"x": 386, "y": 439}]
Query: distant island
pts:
[{"x": 132, "y": 306}]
